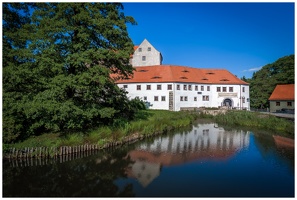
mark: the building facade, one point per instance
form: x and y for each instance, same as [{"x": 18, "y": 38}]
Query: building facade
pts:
[
  {"x": 282, "y": 98},
  {"x": 175, "y": 88},
  {"x": 145, "y": 55}
]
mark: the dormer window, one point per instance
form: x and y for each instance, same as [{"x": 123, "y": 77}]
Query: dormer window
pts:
[
  {"x": 183, "y": 77},
  {"x": 210, "y": 73},
  {"x": 139, "y": 49},
  {"x": 143, "y": 70},
  {"x": 185, "y": 70},
  {"x": 224, "y": 79},
  {"x": 149, "y": 49},
  {"x": 156, "y": 77}
]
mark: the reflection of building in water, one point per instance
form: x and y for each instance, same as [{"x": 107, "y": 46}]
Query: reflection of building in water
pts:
[
  {"x": 203, "y": 142},
  {"x": 206, "y": 136},
  {"x": 145, "y": 172},
  {"x": 283, "y": 142}
]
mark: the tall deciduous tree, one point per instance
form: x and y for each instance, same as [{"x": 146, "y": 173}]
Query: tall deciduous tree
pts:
[
  {"x": 57, "y": 61},
  {"x": 264, "y": 81}
]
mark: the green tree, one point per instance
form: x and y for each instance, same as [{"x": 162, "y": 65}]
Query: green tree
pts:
[
  {"x": 57, "y": 62},
  {"x": 264, "y": 81}
]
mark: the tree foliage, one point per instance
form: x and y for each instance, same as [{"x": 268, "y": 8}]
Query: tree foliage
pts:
[
  {"x": 265, "y": 80},
  {"x": 57, "y": 61}
]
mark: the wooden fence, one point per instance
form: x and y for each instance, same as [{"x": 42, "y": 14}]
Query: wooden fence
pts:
[
  {"x": 28, "y": 161},
  {"x": 45, "y": 155}
]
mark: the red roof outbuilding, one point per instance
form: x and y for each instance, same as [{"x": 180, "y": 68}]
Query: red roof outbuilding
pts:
[{"x": 283, "y": 92}]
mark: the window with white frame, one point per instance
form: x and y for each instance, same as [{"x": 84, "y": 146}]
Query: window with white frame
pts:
[
  {"x": 159, "y": 87},
  {"x": 205, "y": 98},
  {"x": 138, "y": 87},
  {"x": 163, "y": 98}
]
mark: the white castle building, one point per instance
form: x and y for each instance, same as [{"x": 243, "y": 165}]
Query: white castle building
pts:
[{"x": 175, "y": 88}]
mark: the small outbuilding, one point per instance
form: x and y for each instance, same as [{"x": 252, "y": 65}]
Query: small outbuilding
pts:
[{"x": 282, "y": 99}]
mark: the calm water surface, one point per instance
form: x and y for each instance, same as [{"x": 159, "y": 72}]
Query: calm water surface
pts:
[{"x": 203, "y": 161}]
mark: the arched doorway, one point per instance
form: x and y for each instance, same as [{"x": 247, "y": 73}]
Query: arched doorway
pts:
[{"x": 227, "y": 102}]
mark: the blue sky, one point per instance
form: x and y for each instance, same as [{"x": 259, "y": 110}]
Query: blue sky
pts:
[{"x": 239, "y": 37}]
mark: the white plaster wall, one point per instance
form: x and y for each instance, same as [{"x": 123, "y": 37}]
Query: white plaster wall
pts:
[
  {"x": 153, "y": 57},
  {"x": 150, "y": 94},
  {"x": 215, "y": 98}
]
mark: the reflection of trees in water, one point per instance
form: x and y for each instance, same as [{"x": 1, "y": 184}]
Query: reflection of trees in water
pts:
[
  {"x": 93, "y": 176},
  {"x": 88, "y": 177},
  {"x": 267, "y": 145}
]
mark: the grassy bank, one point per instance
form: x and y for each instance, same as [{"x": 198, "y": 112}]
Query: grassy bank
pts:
[
  {"x": 148, "y": 122},
  {"x": 256, "y": 120},
  {"x": 151, "y": 122}
]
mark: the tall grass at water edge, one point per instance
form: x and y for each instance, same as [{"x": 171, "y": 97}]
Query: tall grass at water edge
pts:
[
  {"x": 257, "y": 120},
  {"x": 158, "y": 121}
]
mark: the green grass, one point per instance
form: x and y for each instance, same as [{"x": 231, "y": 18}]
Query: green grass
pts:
[
  {"x": 48, "y": 139},
  {"x": 257, "y": 120}
]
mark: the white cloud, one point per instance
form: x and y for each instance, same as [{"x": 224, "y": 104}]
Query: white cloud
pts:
[{"x": 252, "y": 69}]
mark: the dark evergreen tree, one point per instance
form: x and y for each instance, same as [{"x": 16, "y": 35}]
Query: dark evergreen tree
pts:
[{"x": 57, "y": 61}]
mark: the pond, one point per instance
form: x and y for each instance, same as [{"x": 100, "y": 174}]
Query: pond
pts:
[{"x": 204, "y": 160}]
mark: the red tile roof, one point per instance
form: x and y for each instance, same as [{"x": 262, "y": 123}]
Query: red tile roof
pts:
[
  {"x": 283, "y": 92},
  {"x": 172, "y": 73}
]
